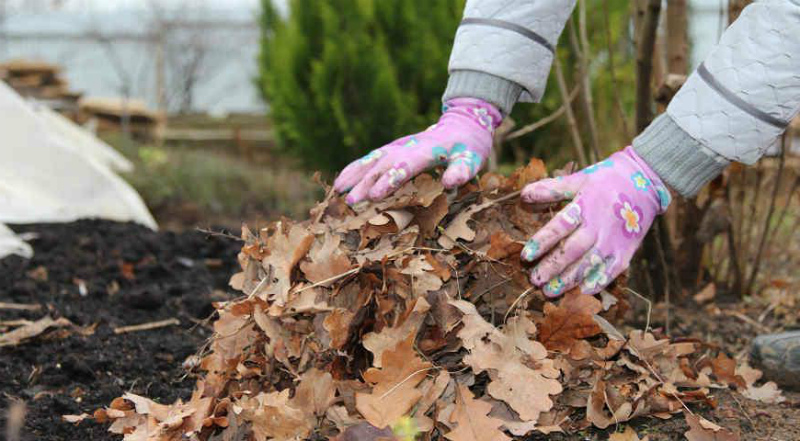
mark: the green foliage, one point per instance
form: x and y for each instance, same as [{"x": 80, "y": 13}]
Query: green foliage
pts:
[{"x": 343, "y": 77}]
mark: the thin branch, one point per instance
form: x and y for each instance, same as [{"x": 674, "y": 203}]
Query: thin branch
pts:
[
  {"x": 784, "y": 210},
  {"x": 770, "y": 212},
  {"x": 613, "y": 72},
  {"x": 571, "y": 123},
  {"x": 750, "y": 221},
  {"x": 544, "y": 121},
  {"x": 586, "y": 81}
]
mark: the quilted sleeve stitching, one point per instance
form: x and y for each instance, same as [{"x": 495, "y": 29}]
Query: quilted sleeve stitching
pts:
[{"x": 758, "y": 61}]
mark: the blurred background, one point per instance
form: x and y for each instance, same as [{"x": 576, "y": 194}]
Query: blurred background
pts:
[{"x": 227, "y": 108}]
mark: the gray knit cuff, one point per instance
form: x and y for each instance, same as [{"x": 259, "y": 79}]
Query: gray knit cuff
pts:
[
  {"x": 679, "y": 160},
  {"x": 490, "y": 88}
]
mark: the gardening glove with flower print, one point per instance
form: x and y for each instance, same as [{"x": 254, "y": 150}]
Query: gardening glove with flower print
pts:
[
  {"x": 593, "y": 238},
  {"x": 460, "y": 140}
]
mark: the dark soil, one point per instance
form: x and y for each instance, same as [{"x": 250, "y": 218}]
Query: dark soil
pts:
[{"x": 133, "y": 276}]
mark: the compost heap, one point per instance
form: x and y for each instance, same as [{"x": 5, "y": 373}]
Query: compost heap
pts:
[{"x": 415, "y": 315}]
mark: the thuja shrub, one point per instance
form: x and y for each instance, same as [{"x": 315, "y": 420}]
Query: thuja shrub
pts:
[{"x": 342, "y": 77}]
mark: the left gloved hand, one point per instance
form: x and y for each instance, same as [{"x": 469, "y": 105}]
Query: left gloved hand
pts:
[{"x": 614, "y": 203}]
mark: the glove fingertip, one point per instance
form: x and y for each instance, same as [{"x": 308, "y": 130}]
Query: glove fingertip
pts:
[
  {"x": 530, "y": 251},
  {"x": 456, "y": 176},
  {"x": 539, "y": 191},
  {"x": 339, "y": 185},
  {"x": 351, "y": 199}
]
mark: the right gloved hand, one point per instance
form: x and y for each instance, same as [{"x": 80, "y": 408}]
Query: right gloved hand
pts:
[{"x": 461, "y": 140}]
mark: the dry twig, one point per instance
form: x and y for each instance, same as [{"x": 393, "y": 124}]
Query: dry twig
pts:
[
  {"x": 147, "y": 326},
  {"x": 20, "y": 306}
]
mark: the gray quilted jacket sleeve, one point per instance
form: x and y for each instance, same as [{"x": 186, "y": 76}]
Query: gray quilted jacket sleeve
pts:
[
  {"x": 504, "y": 48},
  {"x": 735, "y": 105}
]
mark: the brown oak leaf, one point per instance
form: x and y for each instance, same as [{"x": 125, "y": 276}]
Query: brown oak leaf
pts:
[
  {"x": 276, "y": 417},
  {"x": 316, "y": 391},
  {"x": 570, "y": 321},
  {"x": 703, "y": 430},
  {"x": 337, "y": 323},
  {"x": 502, "y": 246},
  {"x": 389, "y": 337},
  {"x": 365, "y": 432},
  {"x": 287, "y": 245},
  {"x": 724, "y": 369},
  {"x": 326, "y": 262},
  {"x": 534, "y": 171},
  {"x": 394, "y": 390},
  {"x": 767, "y": 393},
  {"x": 473, "y": 422},
  {"x": 508, "y": 357}
]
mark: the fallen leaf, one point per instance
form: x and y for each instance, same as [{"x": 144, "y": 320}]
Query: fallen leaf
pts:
[
  {"x": 458, "y": 229},
  {"x": 337, "y": 323},
  {"x": 28, "y": 331},
  {"x": 502, "y": 246},
  {"x": 427, "y": 189},
  {"x": 725, "y": 370},
  {"x": 275, "y": 417},
  {"x": 428, "y": 218},
  {"x": 609, "y": 329},
  {"x": 508, "y": 358},
  {"x": 327, "y": 261},
  {"x": 704, "y": 430},
  {"x": 315, "y": 392},
  {"x": 394, "y": 390},
  {"x": 365, "y": 432},
  {"x": 533, "y": 171},
  {"x": 38, "y": 274},
  {"x": 595, "y": 408},
  {"x": 706, "y": 294},
  {"x": 569, "y": 322},
  {"x": 423, "y": 277},
  {"x": 472, "y": 420},
  {"x": 76, "y": 419},
  {"x": 433, "y": 393},
  {"x": 287, "y": 245},
  {"x": 767, "y": 393},
  {"x": 390, "y": 337}
]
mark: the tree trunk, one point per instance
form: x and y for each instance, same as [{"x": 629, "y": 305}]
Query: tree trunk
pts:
[
  {"x": 645, "y": 42},
  {"x": 677, "y": 37},
  {"x": 735, "y": 8},
  {"x": 653, "y": 271},
  {"x": 686, "y": 213}
]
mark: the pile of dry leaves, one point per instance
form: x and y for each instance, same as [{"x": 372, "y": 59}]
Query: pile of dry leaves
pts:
[{"x": 414, "y": 317}]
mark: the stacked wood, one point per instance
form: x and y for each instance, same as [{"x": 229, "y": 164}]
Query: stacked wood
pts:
[
  {"x": 119, "y": 114},
  {"x": 41, "y": 81}
]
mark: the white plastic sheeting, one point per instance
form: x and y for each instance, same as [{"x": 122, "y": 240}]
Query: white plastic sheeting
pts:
[
  {"x": 88, "y": 144},
  {"x": 52, "y": 171},
  {"x": 11, "y": 244}
]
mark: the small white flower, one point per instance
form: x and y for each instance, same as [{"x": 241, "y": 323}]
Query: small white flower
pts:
[
  {"x": 396, "y": 176},
  {"x": 572, "y": 213},
  {"x": 595, "y": 275}
]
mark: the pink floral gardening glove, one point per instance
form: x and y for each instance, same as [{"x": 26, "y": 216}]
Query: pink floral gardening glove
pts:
[
  {"x": 614, "y": 203},
  {"x": 461, "y": 140}
]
